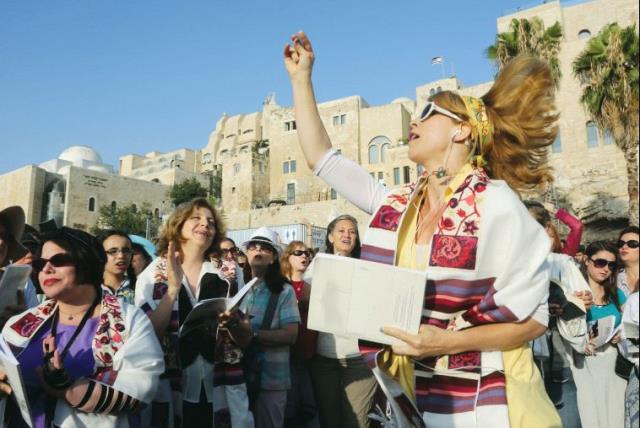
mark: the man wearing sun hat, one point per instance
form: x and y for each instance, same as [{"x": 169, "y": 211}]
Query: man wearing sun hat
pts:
[{"x": 11, "y": 250}]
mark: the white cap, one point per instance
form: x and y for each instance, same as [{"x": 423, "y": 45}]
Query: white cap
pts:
[{"x": 264, "y": 235}]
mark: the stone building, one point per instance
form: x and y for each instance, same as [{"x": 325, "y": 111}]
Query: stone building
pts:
[
  {"x": 166, "y": 168},
  {"x": 71, "y": 188},
  {"x": 265, "y": 180}
]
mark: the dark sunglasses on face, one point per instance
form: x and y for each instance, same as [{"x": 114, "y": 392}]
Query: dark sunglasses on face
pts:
[
  {"x": 265, "y": 248},
  {"x": 59, "y": 260},
  {"x": 232, "y": 250},
  {"x": 632, "y": 243},
  {"x": 113, "y": 251},
  {"x": 600, "y": 263},
  {"x": 299, "y": 253}
]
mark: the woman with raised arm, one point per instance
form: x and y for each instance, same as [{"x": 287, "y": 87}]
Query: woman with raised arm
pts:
[
  {"x": 167, "y": 291},
  {"x": 470, "y": 364}
]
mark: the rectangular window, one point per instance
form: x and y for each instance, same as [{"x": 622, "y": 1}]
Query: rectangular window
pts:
[
  {"x": 396, "y": 176},
  {"x": 236, "y": 168},
  {"x": 334, "y": 194},
  {"x": 381, "y": 177},
  {"x": 339, "y": 119},
  {"x": 608, "y": 138},
  {"x": 373, "y": 175},
  {"x": 285, "y": 167},
  {"x": 592, "y": 135},
  {"x": 291, "y": 194},
  {"x": 407, "y": 174},
  {"x": 292, "y": 166},
  {"x": 557, "y": 145},
  {"x": 290, "y": 125}
]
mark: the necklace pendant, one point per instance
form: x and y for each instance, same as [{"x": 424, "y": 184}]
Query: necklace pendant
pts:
[
  {"x": 440, "y": 172},
  {"x": 70, "y": 318}
]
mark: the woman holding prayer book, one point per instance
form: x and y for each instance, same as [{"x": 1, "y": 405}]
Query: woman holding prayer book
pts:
[
  {"x": 271, "y": 304},
  {"x": 600, "y": 391},
  {"x": 200, "y": 377},
  {"x": 470, "y": 364},
  {"x": 87, "y": 358}
]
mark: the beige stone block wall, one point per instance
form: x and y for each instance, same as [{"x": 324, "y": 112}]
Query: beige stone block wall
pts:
[
  {"x": 24, "y": 187},
  {"x": 83, "y": 184}
]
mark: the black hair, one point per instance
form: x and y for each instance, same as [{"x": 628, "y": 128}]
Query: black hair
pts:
[
  {"x": 629, "y": 229},
  {"x": 610, "y": 287},
  {"x": 355, "y": 253},
  {"x": 538, "y": 212},
  {"x": 139, "y": 248},
  {"x": 227, "y": 239},
  {"x": 86, "y": 251},
  {"x": 273, "y": 277},
  {"x": 131, "y": 274}
]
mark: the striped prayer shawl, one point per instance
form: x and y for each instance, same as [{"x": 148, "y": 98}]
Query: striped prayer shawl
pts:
[{"x": 459, "y": 296}]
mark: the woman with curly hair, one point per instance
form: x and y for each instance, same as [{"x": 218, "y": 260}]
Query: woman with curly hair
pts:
[{"x": 167, "y": 291}]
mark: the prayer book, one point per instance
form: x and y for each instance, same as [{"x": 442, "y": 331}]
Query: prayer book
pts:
[
  {"x": 356, "y": 298},
  {"x": 208, "y": 310},
  {"x": 11, "y": 367},
  {"x": 572, "y": 306},
  {"x": 603, "y": 330},
  {"x": 14, "y": 278},
  {"x": 631, "y": 330}
]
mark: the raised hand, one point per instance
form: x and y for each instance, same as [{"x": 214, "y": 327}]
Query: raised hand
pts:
[
  {"x": 174, "y": 270},
  {"x": 5, "y": 388},
  {"x": 299, "y": 56}
]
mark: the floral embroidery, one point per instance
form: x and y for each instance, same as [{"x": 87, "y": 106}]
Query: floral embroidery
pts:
[
  {"x": 159, "y": 290},
  {"x": 32, "y": 320},
  {"x": 457, "y": 252},
  {"x": 111, "y": 329},
  {"x": 387, "y": 218},
  {"x": 465, "y": 360}
]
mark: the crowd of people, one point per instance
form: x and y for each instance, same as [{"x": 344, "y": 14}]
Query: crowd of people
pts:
[{"x": 106, "y": 334}]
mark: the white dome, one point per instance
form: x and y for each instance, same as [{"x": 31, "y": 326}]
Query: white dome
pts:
[
  {"x": 402, "y": 100},
  {"x": 78, "y": 154}
]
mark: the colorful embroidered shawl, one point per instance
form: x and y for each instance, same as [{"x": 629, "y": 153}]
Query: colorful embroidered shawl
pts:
[
  {"x": 457, "y": 295},
  {"x": 110, "y": 335}
]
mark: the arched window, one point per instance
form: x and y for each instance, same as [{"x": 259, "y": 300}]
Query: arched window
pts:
[
  {"x": 584, "y": 34},
  {"x": 92, "y": 204},
  {"x": 378, "y": 148},
  {"x": 156, "y": 213},
  {"x": 206, "y": 158},
  {"x": 224, "y": 154},
  {"x": 114, "y": 205},
  {"x": 592, "y": 135},
  {"x": 432, "y": 91}
]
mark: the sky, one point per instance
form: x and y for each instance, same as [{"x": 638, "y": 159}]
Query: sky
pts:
[{"x": 136, "y": 76}]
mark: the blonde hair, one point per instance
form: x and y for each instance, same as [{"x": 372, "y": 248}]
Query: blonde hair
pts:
[
  {"x": 285, "y": 266},
  {"x": 521, "y": 107},
  {"x": 171, "y": 231}
]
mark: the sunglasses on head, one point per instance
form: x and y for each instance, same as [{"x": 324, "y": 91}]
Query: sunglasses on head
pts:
[
  {"x": 299, "y": 253},
  {"x": 632, "y": 243},
  {"x": 432, "y": 108},
  {"x": 600, "y": 263},
  {"x": 59, "y": 260}
]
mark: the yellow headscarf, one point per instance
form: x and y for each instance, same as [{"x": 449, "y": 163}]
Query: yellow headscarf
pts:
[{"x": 481, "y": 127}]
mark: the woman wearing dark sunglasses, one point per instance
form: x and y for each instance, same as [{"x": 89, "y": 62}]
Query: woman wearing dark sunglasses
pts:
[
  {"x": 628, "y": 254},
  {"x": 301, "y": 406},
  {"x": 463, "y": 223},
  {"x": 600, "y": 392},
  {"x": 87, "y": 358}
]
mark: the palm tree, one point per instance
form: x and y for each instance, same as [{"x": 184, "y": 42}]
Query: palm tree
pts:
[
  {"x": 608, "y": 71},
  {"x": 529, "y": 37}
]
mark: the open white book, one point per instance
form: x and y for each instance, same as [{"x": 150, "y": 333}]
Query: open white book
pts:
[
  {"x": 208, "y": 310},
  {"x": 603, "y": 330},
  {"x": 11, "y": 367},
  {"x": 356, "y": 298}
]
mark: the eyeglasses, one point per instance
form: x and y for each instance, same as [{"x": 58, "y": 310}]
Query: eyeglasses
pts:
[
  {"x": 232, "y": 250},
  {"x": 113, "y": 251},
  {"x": 59, "y": 260},
  {"x": 600, "y": 263},
  {"x": 632, "y": 243},
  {"x": 265, "y": 248},
  {"x": 299, "y": 253},
  {"x": 432, "y": 108}
]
